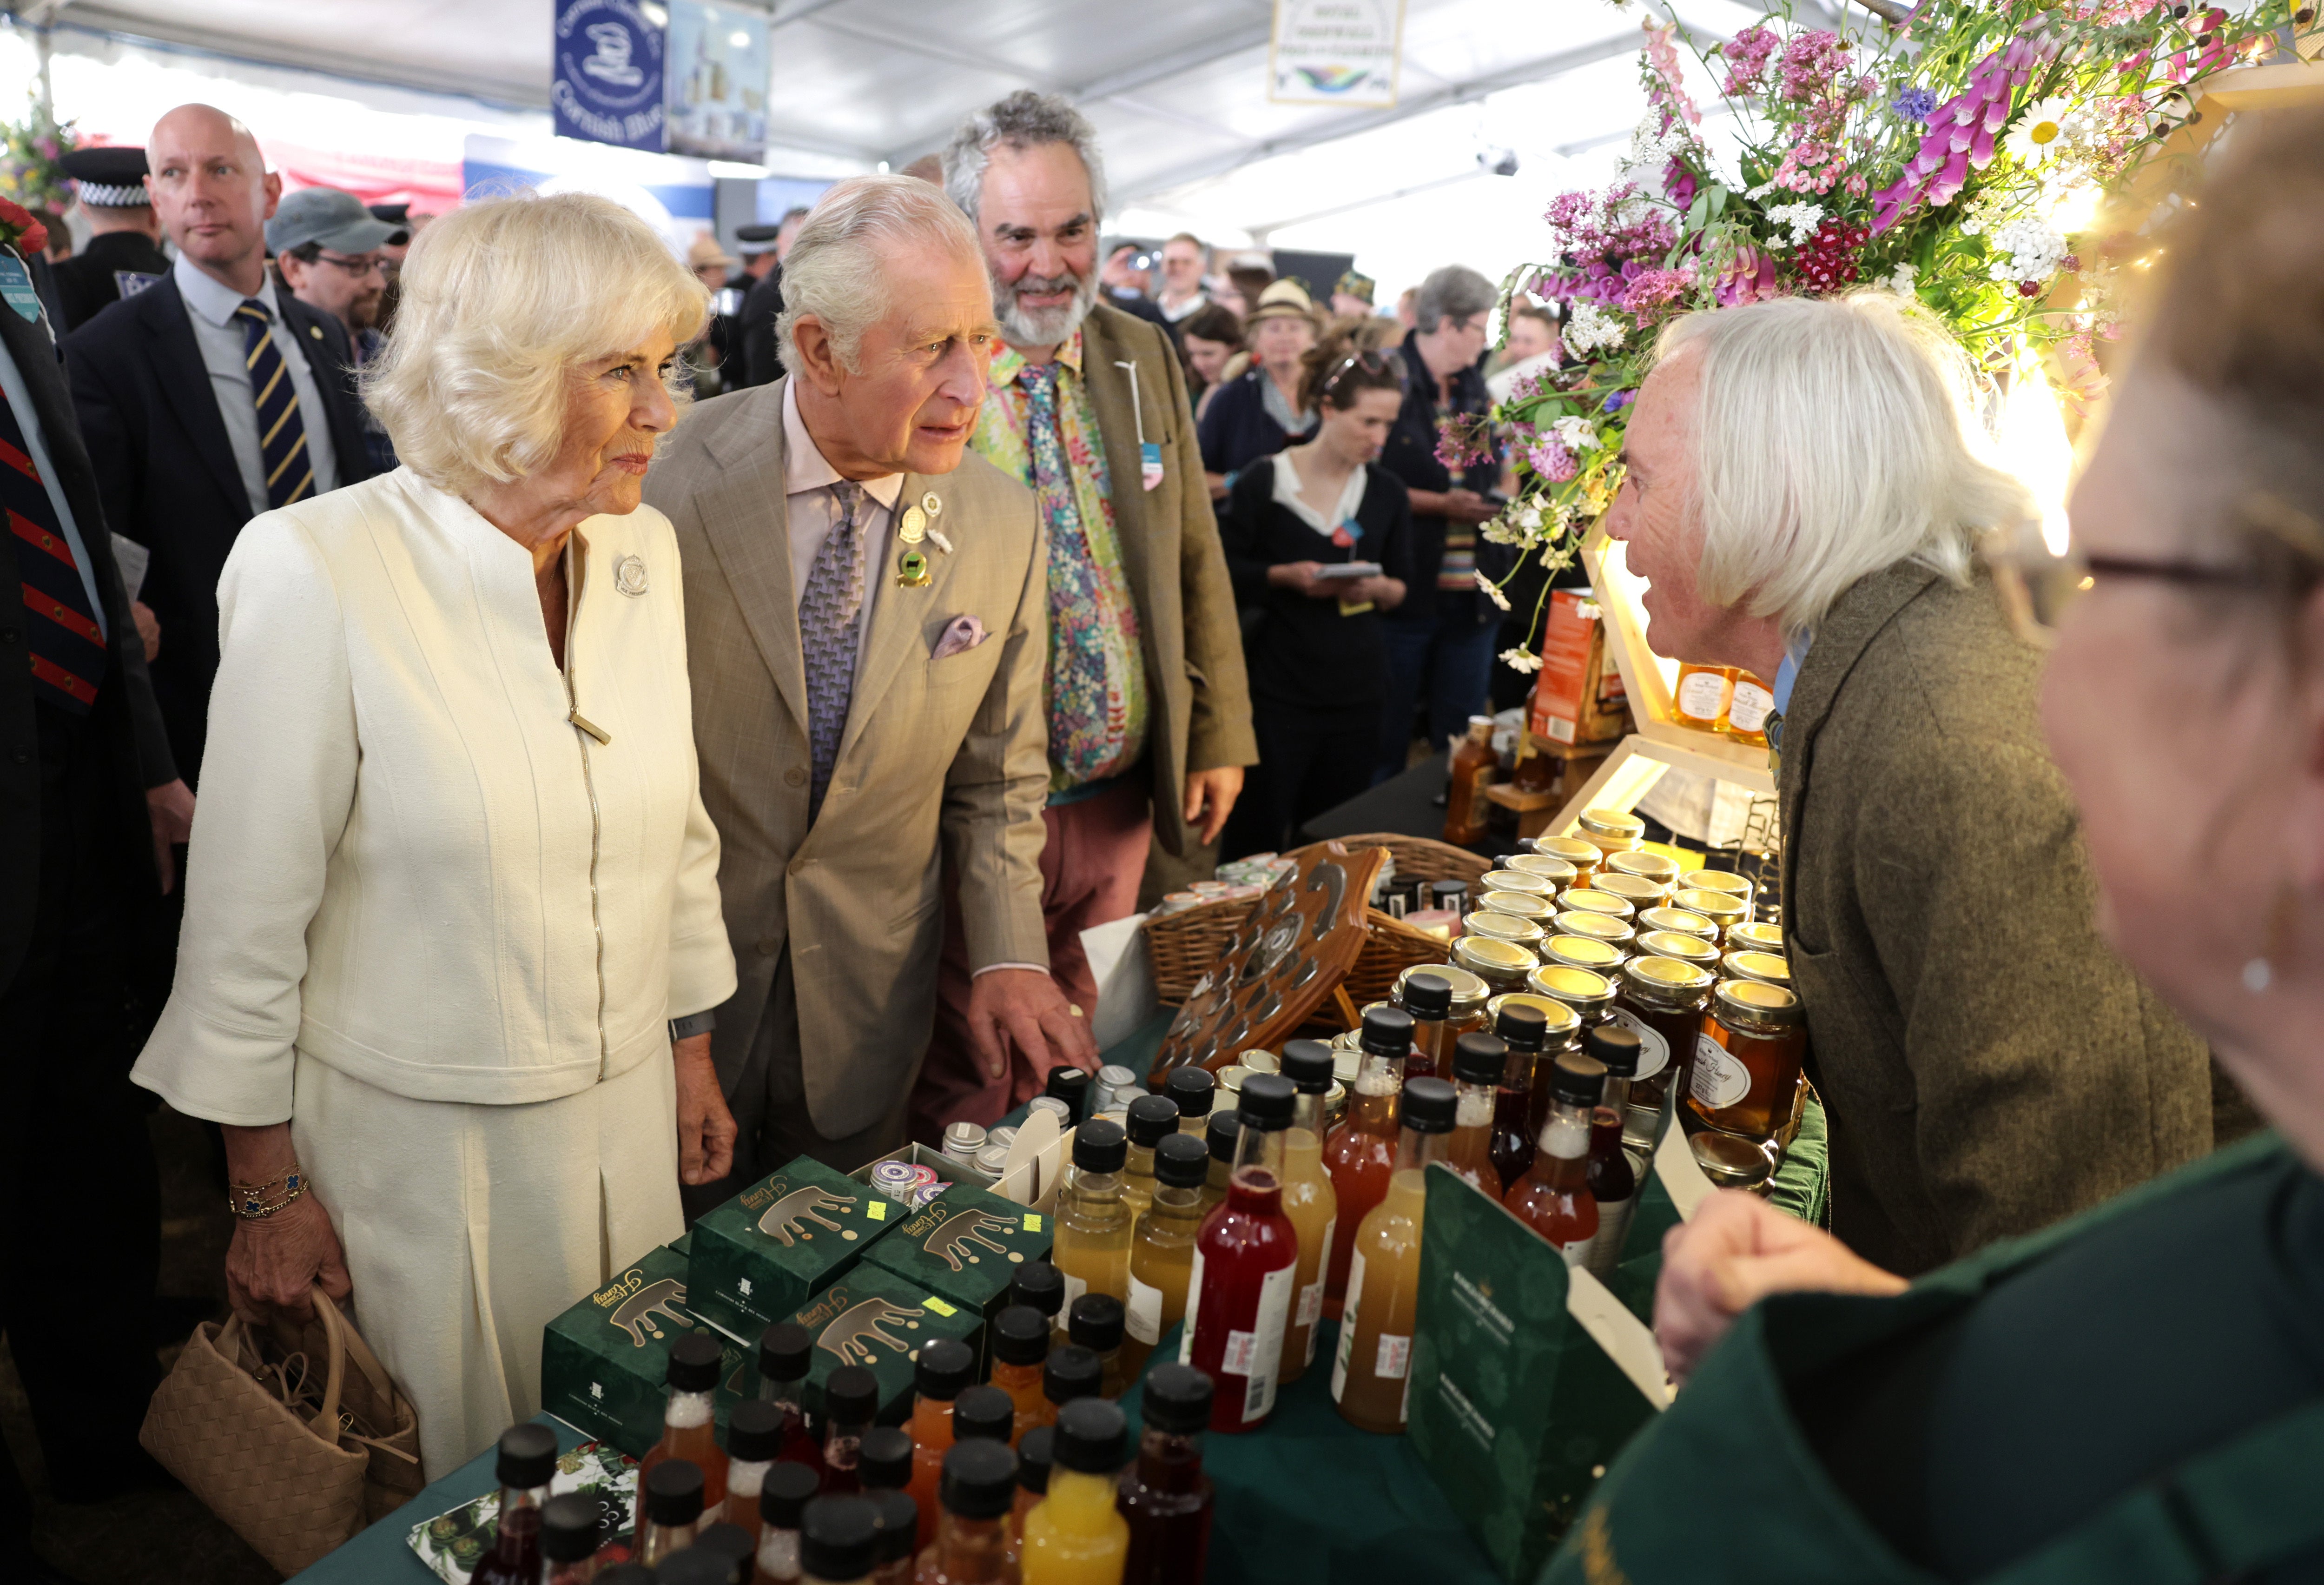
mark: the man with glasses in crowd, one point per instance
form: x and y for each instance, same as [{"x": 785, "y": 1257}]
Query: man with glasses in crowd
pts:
[{"x": 332, "y": 255}]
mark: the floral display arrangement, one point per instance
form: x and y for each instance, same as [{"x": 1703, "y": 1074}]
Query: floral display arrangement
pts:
[
  {"x": 30, "y": 152},
  {"x": 1959, "y": 152}
]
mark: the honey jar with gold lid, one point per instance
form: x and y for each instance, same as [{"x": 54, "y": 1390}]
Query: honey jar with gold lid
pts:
[
  {"x": 1644, "y": 865},
  {"x": 1502, "y": 965},
  {"x": 1636, "y": 890},
  {"x": 1469, "y": 994},
  {"x": 1683, "y": 945},
  {"x": 1748, "y": 1058},
  {"x": 1611, "y": 831},
  {"x": 1580, "y": 853},
  {"x": 1590, "y": 900},
  {"x": 1661, "y": 1001},
  {"x": 1718, "y": 907},
  {"x": 1583, "y": 952},
  {"x": 1755, "y": 936},
  {"x": 1721, "y": 880},
  {"x": 1766, "y": 968},
  {"x": 1678, "y": 920},
  {"x": 1501, "y": 927},
  {"x": 1562, "y": 1024},
  {"x": 1556, "y": 871},
  {"x": 1590, "y": 994},
  {"x": 1531, "y": 905},
  {"x": 1516, "y": 880},
  {"x": 1600, "y": 927}
]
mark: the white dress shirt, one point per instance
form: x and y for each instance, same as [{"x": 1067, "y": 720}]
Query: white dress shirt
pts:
[
  {"x": 812, "y": 512},
  {"x": 211, "y": 304},
  {"x": 28, "y": 418}
]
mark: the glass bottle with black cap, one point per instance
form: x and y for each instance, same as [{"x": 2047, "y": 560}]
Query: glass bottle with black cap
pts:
[
  {"x": 1096, "y": 1324},
  {"x": 1092, "y": 1243},
  {"x": 687, "y": 1430},
  {"x": 945, "y": 1368},
  {"x": 1162, "y": 1252},
  {"x": 670, "y": 1509},
  {"x": 1362, "y": 1152},
  {"x": 1033, "y": 1450},
  {"x": 1020, "y": 1342},
  {"x": 972, "y": 1541},
  {"x": 1613, "y": 1179},
  {"x": 1308, "y": 1198},
  {"x": 737, "y": 1545},
  {"x": 900, "y": 1537},
  {"x": 883, "y": 1458},
  {"x": 701, "y": 1565},
  {"x": 1164, "y": 1494},
  {"x": 1070, "y": 1372},
  {"x": 1072, "y": 1086},
  {"x": 1195, "y": 1090},
  {"x": 1151, "y": 1119},
  {"x": 850, "y": 1401},
  {"x": 1372, "y": 1368},
  {"x": 1522, "y": 1028},
  {"x": 983, "y": 1412},
  {"x": 839, "y": 1541},
  {"x": 525, "y": 1465},
  {"x": 1480, "y": 1063},
  {"x": 1074, "y": 1535},
  {"x": 755, "y": 1441},
  {"x": 1042, "y": 1287},
  {"x": 1428, "y": 997},
  {"x": 1552, "y": 1198},
  {"x": 1219, "y": 1133},
  {"x": 783, "y": 1496},
  {"x": 786, "y": 1354},
  {"x": 1245, "y": 1263},
  {"x": 571, "y": 1530}
]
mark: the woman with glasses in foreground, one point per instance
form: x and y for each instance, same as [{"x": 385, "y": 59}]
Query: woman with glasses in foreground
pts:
[
  {"x": 1319, "y": 540},
  {"x": 2138, "y": 1395}
]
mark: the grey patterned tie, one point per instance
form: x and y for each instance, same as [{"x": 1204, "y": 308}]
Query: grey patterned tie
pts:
[{"x": 827, "y": 613}]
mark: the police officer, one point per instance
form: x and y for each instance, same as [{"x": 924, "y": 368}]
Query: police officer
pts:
[{"x": 124, "y": 255}]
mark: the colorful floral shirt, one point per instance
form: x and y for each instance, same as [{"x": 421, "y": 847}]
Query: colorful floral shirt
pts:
[{"x": 1038, "y": 427}]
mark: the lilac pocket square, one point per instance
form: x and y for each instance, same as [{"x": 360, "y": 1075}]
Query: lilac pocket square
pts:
[{"x": 962, "y": 632}]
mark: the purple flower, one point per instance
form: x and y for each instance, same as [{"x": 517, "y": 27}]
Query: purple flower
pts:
[
  {"x": 1915, "y": 105},
  {"x": 1615, "y": 403}
]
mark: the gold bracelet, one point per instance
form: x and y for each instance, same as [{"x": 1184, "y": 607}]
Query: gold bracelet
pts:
[{"x": 249, "y": 1200}]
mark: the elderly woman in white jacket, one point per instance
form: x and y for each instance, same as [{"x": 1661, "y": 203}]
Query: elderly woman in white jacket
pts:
[{"x": 452, "y": 924}]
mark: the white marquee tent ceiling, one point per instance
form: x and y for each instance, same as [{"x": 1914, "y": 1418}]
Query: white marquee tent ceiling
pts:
[{"x": 1177, "y": 90}]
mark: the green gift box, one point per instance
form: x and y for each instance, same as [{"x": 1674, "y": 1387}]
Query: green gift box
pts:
[
  {"x": 766, "y": 1252},
  {"x": 965, "y": 1246},
  {"x": 1527, "y": 1377},
  {"x": 605, "y": 1363},
  {"x": 874, "y": 1318}
]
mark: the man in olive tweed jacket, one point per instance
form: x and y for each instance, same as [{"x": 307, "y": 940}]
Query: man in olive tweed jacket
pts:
[{"x": 1802, "y": 482}]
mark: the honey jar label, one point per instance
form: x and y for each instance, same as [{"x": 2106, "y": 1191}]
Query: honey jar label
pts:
[
  {"x": 1719, "y": 1080},
  {"x": 1703, "y": 696},
  {"x": 1653, "y": 1050}
]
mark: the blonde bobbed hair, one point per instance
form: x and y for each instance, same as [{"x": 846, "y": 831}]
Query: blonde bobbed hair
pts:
[
  {"x": 1835, "y": 437},
  {"x": 500, "y": 300}
]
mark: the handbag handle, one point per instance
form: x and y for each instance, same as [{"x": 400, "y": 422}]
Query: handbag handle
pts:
[
  {"x": 359, "y": 1353},
  {"x": 335, "y": 1330}
]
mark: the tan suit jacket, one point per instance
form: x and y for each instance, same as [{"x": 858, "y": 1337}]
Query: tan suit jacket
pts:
[
  {"x": 954, "y": 749},
  {"x": 1201, "y": 716}
]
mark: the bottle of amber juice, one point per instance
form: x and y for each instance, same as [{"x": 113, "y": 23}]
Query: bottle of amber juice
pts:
[
  {"x": 1428, "y": 997},
  {"x": 1373, "y": 1368},
  {"x": 687, "y": 1429},
  {"x": 1479, "y": 1063},
  {"x": 1362, "y": 1152},
  {"x": 1308, "y": 1198},
  {"x": 1162, "y": 1252},
  {"x": 1552, "y": 1198},
  {"x": 1522, "y": 1027},
  {"x": 1151, "y": 1119},
  {"x": 1092, "y": 1243}
]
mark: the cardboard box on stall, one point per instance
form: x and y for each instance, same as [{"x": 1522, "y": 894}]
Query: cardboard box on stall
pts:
[
  {"x": 605, "y": 1363},
  {"x": 876, "y": 1318},
  {"x": 763, "y": 1254},
  {"x": 1578, "y": 695}
]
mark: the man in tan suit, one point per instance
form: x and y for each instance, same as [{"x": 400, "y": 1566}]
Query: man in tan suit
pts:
[
  {"x": 1149, "y": 715},
  {"x": 866, "y": 629}
]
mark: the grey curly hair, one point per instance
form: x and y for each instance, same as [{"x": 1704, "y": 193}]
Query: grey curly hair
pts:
[{"x": 1024, "y": 120}]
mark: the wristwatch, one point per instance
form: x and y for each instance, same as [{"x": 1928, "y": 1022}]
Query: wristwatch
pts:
[{"x": 692, "y": 1025}]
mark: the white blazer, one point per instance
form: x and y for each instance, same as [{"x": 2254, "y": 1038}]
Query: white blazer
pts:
[{"x": 408, "y": 861}]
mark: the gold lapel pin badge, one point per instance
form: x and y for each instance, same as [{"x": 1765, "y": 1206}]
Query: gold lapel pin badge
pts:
[{"x": 912, "y": 571}]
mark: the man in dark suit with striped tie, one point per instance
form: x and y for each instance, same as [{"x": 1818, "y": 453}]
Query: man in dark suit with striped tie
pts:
[
  {"x": 208, "y": 398},
  {"x": 90, "y": 803}
]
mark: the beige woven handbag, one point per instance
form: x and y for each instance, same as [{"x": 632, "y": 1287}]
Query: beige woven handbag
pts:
[{"x": 293, "y": 1465}]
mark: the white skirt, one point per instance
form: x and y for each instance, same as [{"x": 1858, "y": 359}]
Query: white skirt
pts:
[{"x": 468, "y": 1229}]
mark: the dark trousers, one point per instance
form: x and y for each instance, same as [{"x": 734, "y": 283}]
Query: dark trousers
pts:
[
  {"x": 1448, "y": 662},
  {"x": 772, "y": 1125},
  {"x": 80, "y": 1235},
  {"x": 1309, "y": 761}
]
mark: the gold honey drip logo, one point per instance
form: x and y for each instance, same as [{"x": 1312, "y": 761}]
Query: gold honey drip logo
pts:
[
  {"x": 956, "y": 1233},
  {"x": 860, "y": 1326},
  {"x": 784, "y": 1219},
  {"x": 637, "y": 1302}
]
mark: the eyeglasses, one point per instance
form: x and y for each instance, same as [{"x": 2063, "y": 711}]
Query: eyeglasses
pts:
[
  {"x": 362, "y": 267},
  {"x": 2037, "y": 586}
]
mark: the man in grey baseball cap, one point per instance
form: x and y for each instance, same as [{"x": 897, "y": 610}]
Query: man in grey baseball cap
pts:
[{"x": 326, "y": 245}]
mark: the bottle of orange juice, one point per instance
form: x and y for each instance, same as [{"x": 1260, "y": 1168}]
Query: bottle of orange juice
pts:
[
  {"x": 1373, "y": 1368},
  {"x": 1308, "y": 1199},
  {"x": 1074, "y": 1535}
]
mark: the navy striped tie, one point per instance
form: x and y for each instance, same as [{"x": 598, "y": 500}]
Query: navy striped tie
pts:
[
  {"x": 281, "y": 437},
  {"x": 68, "y": 647}
]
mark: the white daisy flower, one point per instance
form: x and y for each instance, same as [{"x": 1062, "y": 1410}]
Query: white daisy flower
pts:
[
  {"x": 1492, "y": 591},
  {"x": 2041, "y": 131},
  {"x": 1520, "y": 660},
  {"x": 1575, "y": 434}
]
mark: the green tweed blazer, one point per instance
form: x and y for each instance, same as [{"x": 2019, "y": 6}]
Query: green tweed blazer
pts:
[{"x": 1989, "y": 1066}]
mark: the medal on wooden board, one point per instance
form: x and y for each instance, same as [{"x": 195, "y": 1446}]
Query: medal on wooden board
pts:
[{"x": 912, "y": 571}]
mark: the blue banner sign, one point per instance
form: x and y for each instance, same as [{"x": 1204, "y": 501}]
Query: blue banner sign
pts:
[{"x": 607, "y": 85}]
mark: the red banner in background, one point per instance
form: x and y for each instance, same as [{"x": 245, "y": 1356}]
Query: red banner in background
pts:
[{"x": 431, "y": 187}]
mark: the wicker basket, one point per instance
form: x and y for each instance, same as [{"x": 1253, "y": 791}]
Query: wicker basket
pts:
[{"x": 1187, "y": 945}]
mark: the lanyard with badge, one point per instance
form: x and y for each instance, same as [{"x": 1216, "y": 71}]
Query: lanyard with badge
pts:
[
  {"x": 1149, "y": 452},
  {"x": 16, "y": 289}
]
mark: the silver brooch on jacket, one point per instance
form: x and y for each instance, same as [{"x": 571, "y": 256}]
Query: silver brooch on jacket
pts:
[{"x": 630, "y": 575}]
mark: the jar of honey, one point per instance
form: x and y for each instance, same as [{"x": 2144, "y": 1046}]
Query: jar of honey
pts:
[
  {"x": 1562, "y": 1034},
  {"x": 1721, "y": 880},
  {"x": 1557, "y": 872},
  {"x": 1748, "y": 1058},
  {"x": 1645, "y": 864},
  {"x": 1601, "y": 927},
  {"x": 1729, "y": 1161},
  {"x": 1679, "y": 920},
  {"x": 1590, "y": 994},
  {"x": 1756, "y": 937},
  {"x": 1591, "y": 900},
  {"x": 1502, "y": 965},
  {"x": 1684, "y": 945},
  {"x": 1609, "y": 830},
  {"x": 1501, "y": 927},
  {"x": 1661, "y": 1001},
  {"x": 1582, "y": 855},
  {"x": 1530, "y": 906},
  {"x": 1703, "y": 696},
  {"x": 1722, "y": 910},
  {"x": 1636, "y": 890},
  {"x": 1514, "y": 879},
  {"x": 1583, "y": 952},
  {"x": 1766, "y": 968},
  {"x": 1748, "y": 706},
  {"x": 1468, "y": 996}
]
